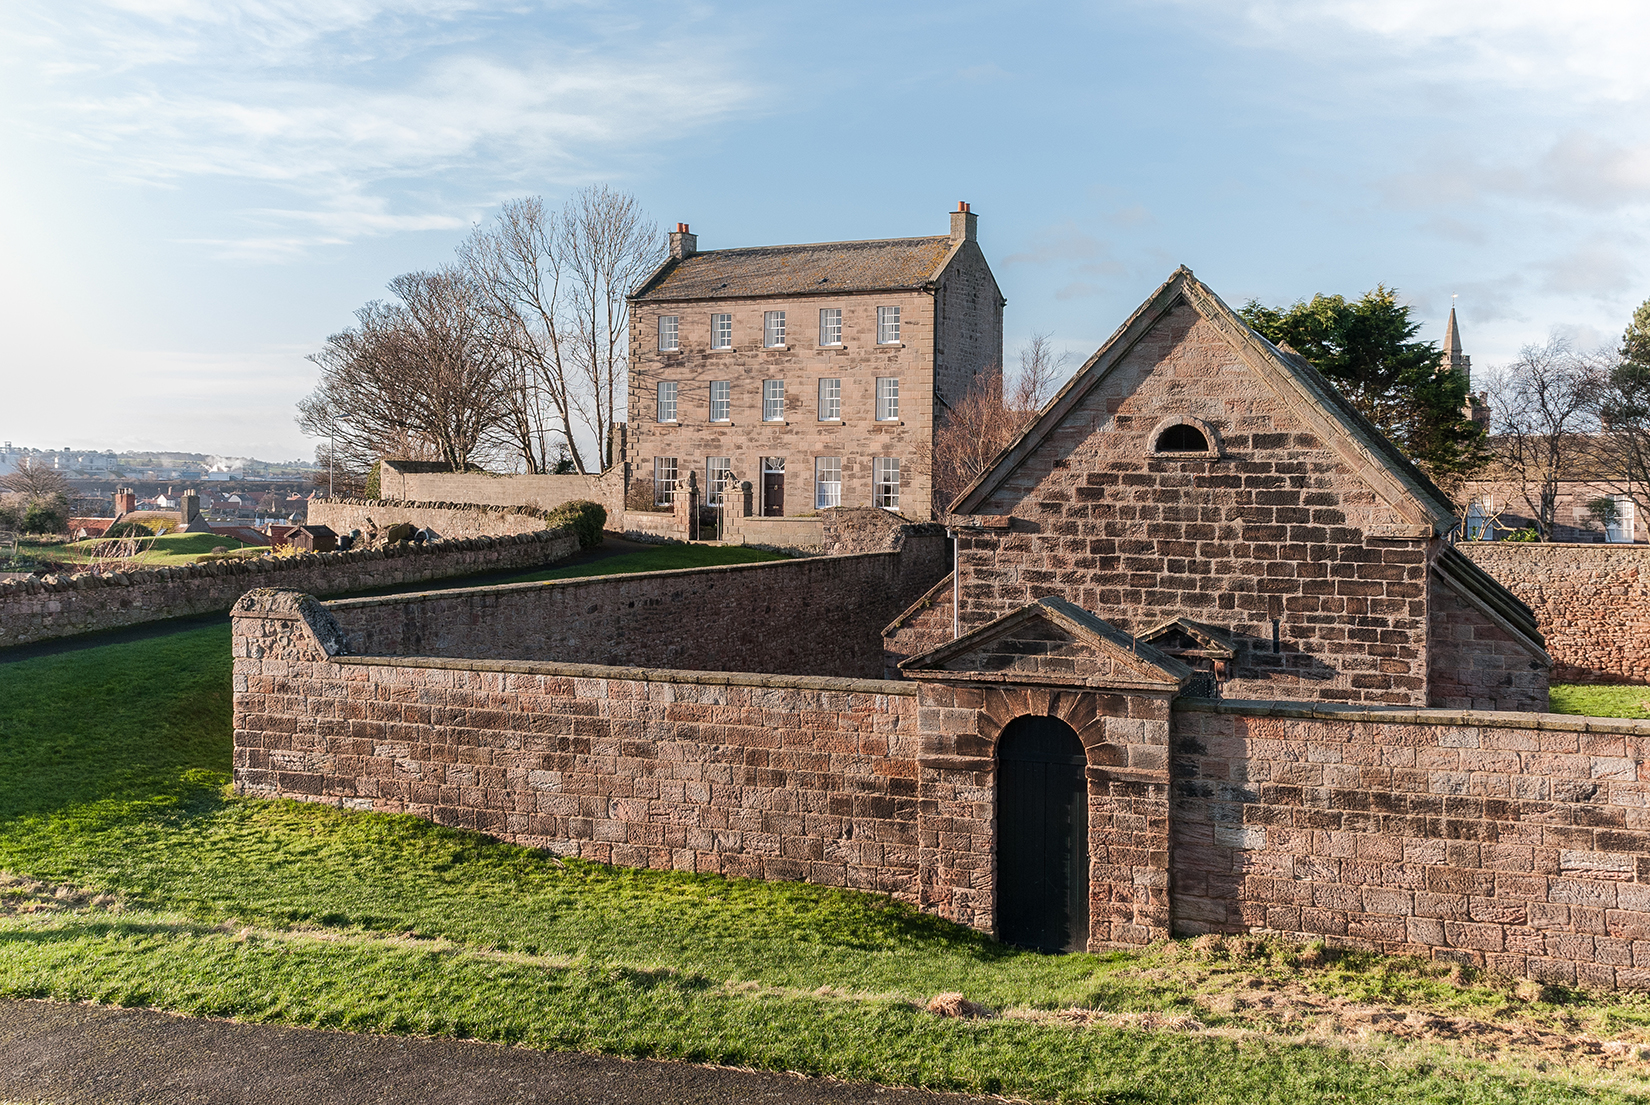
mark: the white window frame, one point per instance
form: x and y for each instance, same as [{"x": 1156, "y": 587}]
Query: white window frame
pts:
[
  {"x": 773, "y": 329},
  {"x": 666, "y": 401},
  {"x": 885, "y": 482},
  {"x": 718, "y": 476},
  {"x": 1621, "y": 531},
  {"x": 664, "y": 486},
  {"x": 887, "y": 325},
  {"x": 721, "y": 331},
  {"x": 830, "y": 399},
  {"x": 830, "y": 326},
  {"x": 773, "y": 400},
  {"x": 669, "y": 328},
  {"x": 721, "y": 401},
  {"x": 887, "y": 398},
  {"x": 827, "y": 492}
]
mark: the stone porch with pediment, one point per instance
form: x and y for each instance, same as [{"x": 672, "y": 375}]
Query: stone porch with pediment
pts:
[{"x": 1048, "y": 659}]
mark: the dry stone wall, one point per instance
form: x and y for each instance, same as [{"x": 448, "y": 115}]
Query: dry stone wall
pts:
[
  {"x": 445, "y": 520},
  {"x": 412, "y": 482},
  {"x": 60, "y": 606},
  {"x": 1519, "y": 842},
  {"x": 1592, "y": 602}
]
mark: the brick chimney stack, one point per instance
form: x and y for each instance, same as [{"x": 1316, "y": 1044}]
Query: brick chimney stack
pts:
[
  {"x": 682, "y": 243},
  {"x": 963, "y": 223},
  {"x": 125, "y": 501}
]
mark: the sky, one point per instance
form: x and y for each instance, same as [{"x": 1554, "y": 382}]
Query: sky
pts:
[{"x": 195, "y": 193}]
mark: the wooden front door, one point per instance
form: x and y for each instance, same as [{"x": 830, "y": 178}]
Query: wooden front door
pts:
[
  {"x": 1042, "y": 836},
  {"x": 773, "y": 487}
]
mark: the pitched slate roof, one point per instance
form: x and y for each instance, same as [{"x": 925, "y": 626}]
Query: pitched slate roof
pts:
[
  {"x": 1313, "y": 398},
  {"x": 888, "y": 264}
]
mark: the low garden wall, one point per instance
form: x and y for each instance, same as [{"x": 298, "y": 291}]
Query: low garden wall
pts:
[
  {"x": 419, "y": 482},
  {"x": 1591, "y": 601},
  {"x": 445, "y": 520},
  {"x": 60, "y": 606}
]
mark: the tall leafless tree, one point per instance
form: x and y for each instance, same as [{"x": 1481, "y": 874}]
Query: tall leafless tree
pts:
[
  {"x": 423, "y": 376},
  {"x": 1544, "y": 411},
  {"x": 609, "y": 246},
  {"x": 518, "y": 262}
]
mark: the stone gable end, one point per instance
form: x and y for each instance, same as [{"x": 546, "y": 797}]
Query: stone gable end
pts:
[{"x": 1280, "y": 525}]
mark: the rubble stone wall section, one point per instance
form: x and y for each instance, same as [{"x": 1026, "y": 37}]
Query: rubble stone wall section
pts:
[
  {"x": 444, "y": 519},
  {"x": 1591, "y": 601},
  {"x": 1519, "y": 842},
  {"x": 542, "y": 492},
  {"x": 42, "y": 609}
]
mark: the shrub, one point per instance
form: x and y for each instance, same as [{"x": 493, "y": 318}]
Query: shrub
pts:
[
  {"x": 128, "y": 529},
  {"x": 46, "y": 516},
  {"x": 371, "y": 491},
  {"x": 583, "y": 517}
]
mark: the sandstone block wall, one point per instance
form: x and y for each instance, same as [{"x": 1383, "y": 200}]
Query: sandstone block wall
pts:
[
  {"x": 748, "y": 775},
  {"x": 61, "y": 606},
  {"x": 1592, "y": 601},
  {"x": 1279, "y": 527},
  {"x": 1519, "y": 842},
  {"x": 814, "y": 616},
  {"x": 446, "y": 520},
  {"x": 1476, "y": 663}
]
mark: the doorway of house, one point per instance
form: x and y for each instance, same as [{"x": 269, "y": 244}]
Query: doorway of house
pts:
[
  {"x": 773, "y": 487},
  {"x": 1042, "y": 836}
]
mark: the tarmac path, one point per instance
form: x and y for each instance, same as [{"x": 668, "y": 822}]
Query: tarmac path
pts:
[{"x": 54, "y": 1054}]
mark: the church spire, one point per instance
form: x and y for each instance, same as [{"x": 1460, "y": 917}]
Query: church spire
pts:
[
  {"x": 1459, "y": 363},
  {"x": 1455, "y": 360}
]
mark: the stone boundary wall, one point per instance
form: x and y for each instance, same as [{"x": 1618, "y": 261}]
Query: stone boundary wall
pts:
[
  {"x": 1592, "y": 602},
  {"x": 750, "y": 775},
  {"x": 813, "y": 616},
  {"x": 60, "y": 606},
  {"x": 1519, "y": 842},
  {"x": 489, "y": 489},
  {"x": 446, "y": 520}
]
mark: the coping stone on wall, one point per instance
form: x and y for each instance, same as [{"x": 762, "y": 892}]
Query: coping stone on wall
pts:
[
  {"x": 640, "y": 675},
  {"x": 1503, "y": 719}
]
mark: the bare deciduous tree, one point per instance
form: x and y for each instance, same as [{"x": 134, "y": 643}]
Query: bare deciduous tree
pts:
[
  {"x": 975, "y": 429},
  {"x": 1544, "y": 421},
  {"x": 518, "y": 262},
  {"x": 36, "y": 483},
  {"x": 610, "y": 245},
  {"x": 557, "y": 284},
  {"x": 421, "y": 377}
]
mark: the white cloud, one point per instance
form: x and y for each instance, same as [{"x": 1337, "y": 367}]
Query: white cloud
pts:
[
  {"x": 1586, "y": 49},
  {"x": 339, "y": 104}
]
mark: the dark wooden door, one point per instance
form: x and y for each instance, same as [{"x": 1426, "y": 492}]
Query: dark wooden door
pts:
[
  {"x": 773, "y": 494},
  {"x": 1042, "y": 836}
]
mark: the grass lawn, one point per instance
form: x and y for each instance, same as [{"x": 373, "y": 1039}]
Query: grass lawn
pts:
[
  {"x": 1599, "y": 701},
  {"x": 165, "y": 551},
  {"x": 135, "y": 876}
]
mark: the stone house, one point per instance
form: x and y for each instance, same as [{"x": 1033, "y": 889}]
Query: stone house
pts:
[
  {"x": 1209, "y": 492},
  {"x": 813, "y": 373}
]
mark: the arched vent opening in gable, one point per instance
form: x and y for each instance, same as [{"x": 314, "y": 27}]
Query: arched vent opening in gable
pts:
[{"x": 1182, "y": 438}]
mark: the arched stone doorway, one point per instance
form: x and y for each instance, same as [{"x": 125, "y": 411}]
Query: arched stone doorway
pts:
[{"x": 1042, "y": 836}]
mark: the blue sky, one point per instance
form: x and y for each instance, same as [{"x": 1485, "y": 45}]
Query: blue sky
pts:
[{"x": 195, "y": 193}]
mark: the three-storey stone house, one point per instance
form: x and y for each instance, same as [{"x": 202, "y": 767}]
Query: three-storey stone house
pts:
[{"x": 816, "y": 373}]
